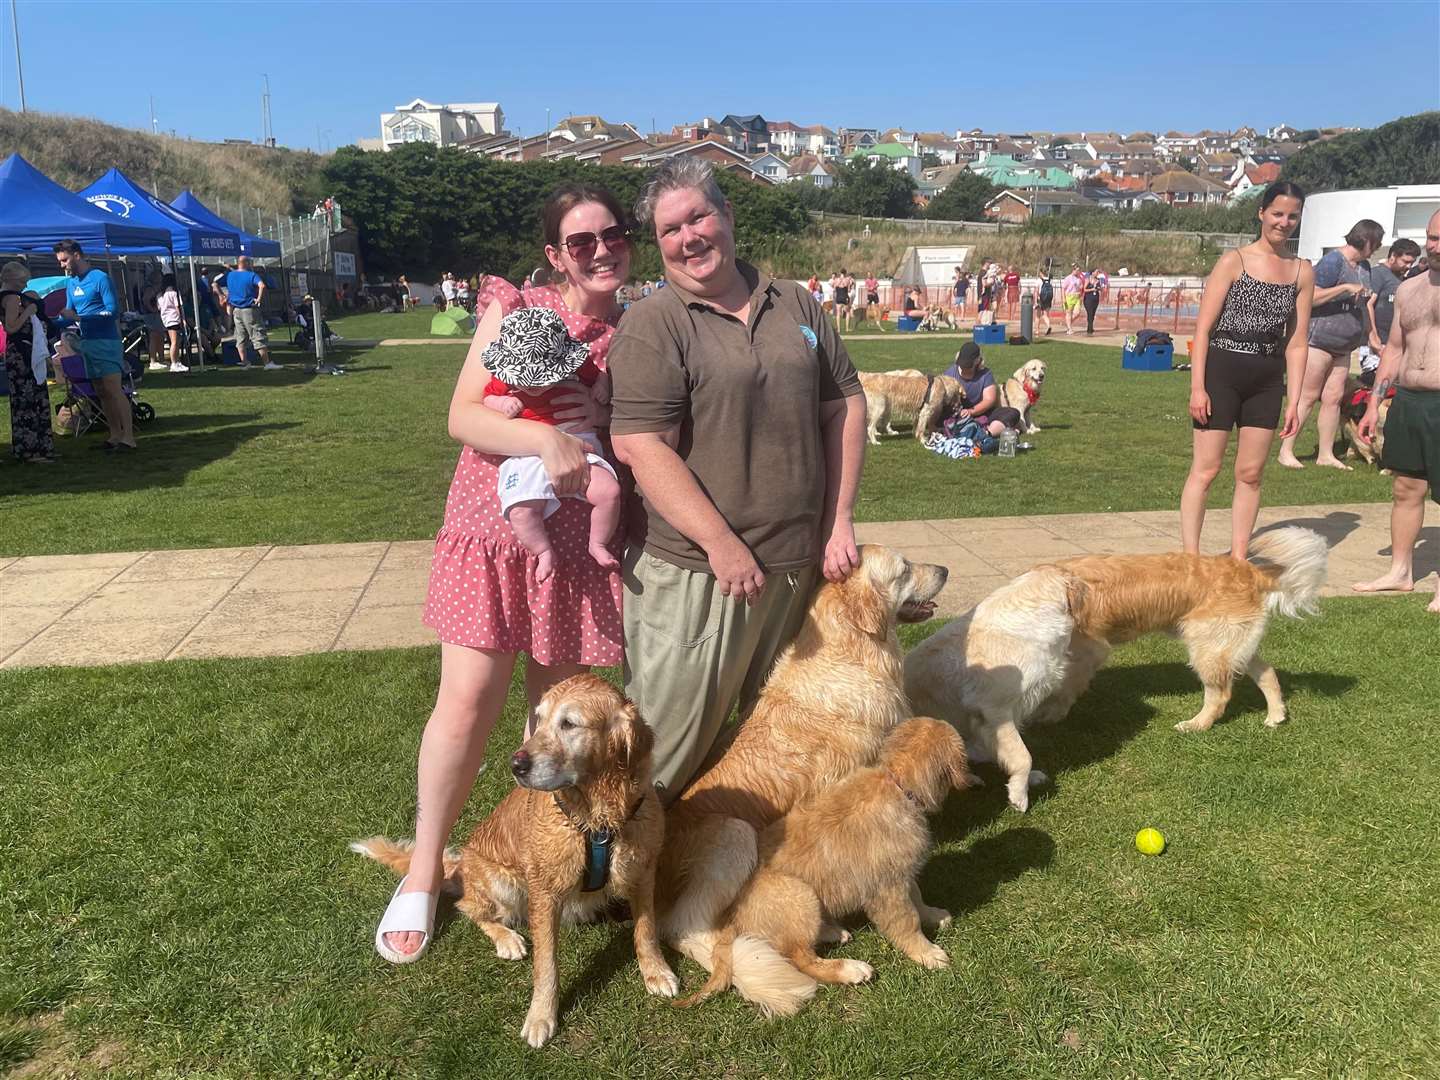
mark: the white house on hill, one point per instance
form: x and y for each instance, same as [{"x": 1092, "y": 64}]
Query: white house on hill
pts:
[{"x": 443, "y": 125}]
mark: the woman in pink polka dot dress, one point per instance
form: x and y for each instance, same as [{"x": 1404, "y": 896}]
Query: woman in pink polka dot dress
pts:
[{"x": 484, "y": 601}]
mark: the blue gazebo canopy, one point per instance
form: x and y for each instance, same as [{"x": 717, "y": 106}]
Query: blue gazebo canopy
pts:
[
  {"x": 126, "y": 199},
  {"x": 36, "y": 212},
  {"x": 250, "y": 244}
]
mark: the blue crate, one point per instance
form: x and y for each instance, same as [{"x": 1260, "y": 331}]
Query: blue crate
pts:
[
  {"x": 1151, "y": 358},
  {"x": 907, "y": 324},
  {"x": 994, "y": 334}
]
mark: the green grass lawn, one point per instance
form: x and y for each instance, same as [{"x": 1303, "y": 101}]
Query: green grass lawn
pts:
[
  {"x": 238, "y": 457},
  {"x": 176, "y": 898},
  {"x": 375, "y": 326}
]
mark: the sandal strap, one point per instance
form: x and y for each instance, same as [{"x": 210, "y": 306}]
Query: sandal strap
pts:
[{"x": 412, "y": 912}]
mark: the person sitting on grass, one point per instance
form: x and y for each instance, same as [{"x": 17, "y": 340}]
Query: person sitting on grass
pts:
[{"x": 981, "y": 393}]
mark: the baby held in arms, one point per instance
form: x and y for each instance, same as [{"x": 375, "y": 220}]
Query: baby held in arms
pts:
[{"x": 528, "y": 362}]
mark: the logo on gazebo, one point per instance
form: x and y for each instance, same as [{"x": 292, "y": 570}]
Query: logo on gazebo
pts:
[{"x": 114, "y": 204}]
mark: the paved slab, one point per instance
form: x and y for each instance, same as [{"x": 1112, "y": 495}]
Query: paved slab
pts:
[{"x": 286, "y": 600}]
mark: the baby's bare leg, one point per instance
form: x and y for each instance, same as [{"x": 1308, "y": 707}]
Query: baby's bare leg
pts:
[
  {"x": 527, "y": 521},
  {"x": 603, "y": 495}
]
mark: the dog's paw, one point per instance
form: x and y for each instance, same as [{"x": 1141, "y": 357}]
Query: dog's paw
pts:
[
  {"x": 854, "y": 971},
  {"x": 1192, "y": 725},
  {"x": 510, "y": 946},
  {"x": 933, "y": 958},
  {"x": 1019, "y": 794},
  {"x": 1276, "y": 720},
  {"x": 660, "y": 981},
  {"x": 946, "y": 921},
  {"x": 1038, "y": 778},
  {"x": 539, "y": 1027}
]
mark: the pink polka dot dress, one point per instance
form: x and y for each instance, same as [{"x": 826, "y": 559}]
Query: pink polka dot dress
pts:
[{"x": 483, "y": 592}]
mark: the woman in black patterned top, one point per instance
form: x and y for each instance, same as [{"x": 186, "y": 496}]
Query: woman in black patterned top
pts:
[{"x": 1250, "y": 342}]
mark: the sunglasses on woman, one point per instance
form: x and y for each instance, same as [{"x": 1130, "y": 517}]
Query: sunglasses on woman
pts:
[{"x": 581, "y": 245}]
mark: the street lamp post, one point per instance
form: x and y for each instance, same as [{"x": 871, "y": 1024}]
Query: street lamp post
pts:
[{"x": 19, "y": 73}]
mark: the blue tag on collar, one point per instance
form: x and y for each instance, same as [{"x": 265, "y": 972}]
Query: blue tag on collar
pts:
[{"x": 599, "y": 845}]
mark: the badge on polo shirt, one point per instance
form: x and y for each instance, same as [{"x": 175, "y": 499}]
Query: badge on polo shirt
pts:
[{"x": 810, "y": 338}]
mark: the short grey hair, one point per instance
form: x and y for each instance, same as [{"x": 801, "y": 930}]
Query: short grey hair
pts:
[{"x": 678, "y": 174}]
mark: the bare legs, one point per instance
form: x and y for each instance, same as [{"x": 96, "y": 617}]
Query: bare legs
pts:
[
  {"x": 1407, "y": 514},
  {"x": 118, "y": 416},
  {"x": 473, "y": 686},
  {"x": 1250, "y": 454},
  {"x": 1208, "y": 453},
  {"x": 1324, "y": 382}
]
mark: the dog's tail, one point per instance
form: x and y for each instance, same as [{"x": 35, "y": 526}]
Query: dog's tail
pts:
[
  {"x": 396, "y": 855},
  {"x": 1295, "y": 561},
  {"x": 759, "y": 974},
  {"x": 722, "y": 957}
]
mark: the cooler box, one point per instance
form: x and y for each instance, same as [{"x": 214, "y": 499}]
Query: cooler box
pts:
[
  {"x": 994, "y": 334},
  {"x": 907, "y": 323},
  {"x": 1151, "y": 358}
]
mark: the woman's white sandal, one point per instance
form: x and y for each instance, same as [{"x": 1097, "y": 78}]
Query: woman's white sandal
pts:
[{"x": 407, "y": 913}]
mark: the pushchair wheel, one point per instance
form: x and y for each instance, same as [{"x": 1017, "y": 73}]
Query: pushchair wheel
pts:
[{"x": 144, "y": 412}]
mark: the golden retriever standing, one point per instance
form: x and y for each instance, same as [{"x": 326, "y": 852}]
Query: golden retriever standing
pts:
[
  {"x": 856, "y": 846},
  {"x": 832, "y": 698},
  {"x": 1022, "y": 392},
  {"x": 584, "y": 826},
  {"x": 1028, "y": 650},
  {"x": 904, "y": 395}
]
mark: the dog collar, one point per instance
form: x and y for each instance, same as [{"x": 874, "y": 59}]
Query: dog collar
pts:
[
  {"x": 929, "y": 386},
  {"x": 599, "y": 847},
  {"x": 906, "y": 791}
]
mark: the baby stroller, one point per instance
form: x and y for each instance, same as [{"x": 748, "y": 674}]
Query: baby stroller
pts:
[
  {"x": 82, "y": 399},
  {"x": 134, "y": 341}
]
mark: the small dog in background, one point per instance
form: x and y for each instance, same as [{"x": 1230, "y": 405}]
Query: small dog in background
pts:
[
  {"x": 1022, "y": 392},
  {"x": 855, "y": 846},
  {"x": 1352, "y": 411},
  {"x": 906, "y": 395},
  {"x": 1026, "y": 652}
]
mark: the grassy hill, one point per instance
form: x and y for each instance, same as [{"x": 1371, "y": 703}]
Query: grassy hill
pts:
[{"x": 74, "y": 151}]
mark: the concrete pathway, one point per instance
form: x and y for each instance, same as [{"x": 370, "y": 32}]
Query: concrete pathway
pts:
[{"x": 279, "y": 601}]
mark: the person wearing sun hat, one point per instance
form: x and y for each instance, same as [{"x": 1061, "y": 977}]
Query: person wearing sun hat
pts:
[{"x": 528, "y": 363}]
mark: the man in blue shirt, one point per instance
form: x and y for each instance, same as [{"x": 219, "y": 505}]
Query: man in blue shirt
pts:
[
  {"x": 92, "y": 303},
  {"x": 247, "y": 290}
]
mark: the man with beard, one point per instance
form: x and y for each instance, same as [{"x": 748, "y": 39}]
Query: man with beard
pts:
[{"x": 1411, "y": 364}]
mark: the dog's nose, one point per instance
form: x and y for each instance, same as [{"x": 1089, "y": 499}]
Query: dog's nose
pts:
[{"x": 520, "y": 763}]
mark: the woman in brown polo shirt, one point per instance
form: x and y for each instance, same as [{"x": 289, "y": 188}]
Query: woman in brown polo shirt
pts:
[{"x": 739, "y": 411}]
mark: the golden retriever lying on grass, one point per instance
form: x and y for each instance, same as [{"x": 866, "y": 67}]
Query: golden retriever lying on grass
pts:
[
  {"x": 856, "y": 846},
  {"x": 585, "y": 776},
  {"x": 1027, "y": 651},
  {"x": 830, "y": 701}
]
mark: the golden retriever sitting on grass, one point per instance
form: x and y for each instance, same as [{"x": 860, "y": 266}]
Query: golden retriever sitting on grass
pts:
[
  {"x": 857, "y": 846},
  {"x": 585, "y": 825}
]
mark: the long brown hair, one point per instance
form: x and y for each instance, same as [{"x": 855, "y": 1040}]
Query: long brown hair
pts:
[{"x": 568, "y": 196}]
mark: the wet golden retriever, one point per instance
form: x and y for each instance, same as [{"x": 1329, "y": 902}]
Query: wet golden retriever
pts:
[
  {"x": 584, "y": 775},
  {"x": 833, "y": 696},
  {"x": 905, "y": 395},
  {"x": 1027, "y": 651},
  {"x": 856, "y": 846}
]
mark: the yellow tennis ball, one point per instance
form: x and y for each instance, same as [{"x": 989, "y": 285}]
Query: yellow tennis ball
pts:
[{"x": 1150, "y": 841}]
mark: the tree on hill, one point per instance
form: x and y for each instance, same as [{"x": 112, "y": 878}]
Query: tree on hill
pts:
[
  {"x": 873, "y": 189},
  {"x": 1404, "y": 151},
  {"x": 422, "y": 209},
  {"x": 963, "y": 199}
]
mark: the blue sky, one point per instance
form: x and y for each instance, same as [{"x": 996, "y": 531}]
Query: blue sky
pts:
[{"x": 334, "y": 67}]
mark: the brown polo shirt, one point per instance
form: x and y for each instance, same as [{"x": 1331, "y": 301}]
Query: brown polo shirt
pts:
[{"x": 746, "y": 398}]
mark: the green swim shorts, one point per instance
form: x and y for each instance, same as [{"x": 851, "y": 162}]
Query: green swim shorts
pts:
[{"x": 1412, "y": 437}]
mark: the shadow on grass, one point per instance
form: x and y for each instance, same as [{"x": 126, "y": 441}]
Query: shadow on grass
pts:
[
  {"x": 163, "y": 460},
  {"x": 1115, "y": 709},
  {"x": 964, "y": 881}
]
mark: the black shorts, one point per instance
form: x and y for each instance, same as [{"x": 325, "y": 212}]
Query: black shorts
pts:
[
  {"x": 1246, "y": 390},
  {"x": 872, "y": 298},
  {"x": 842, "y": 296}
]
